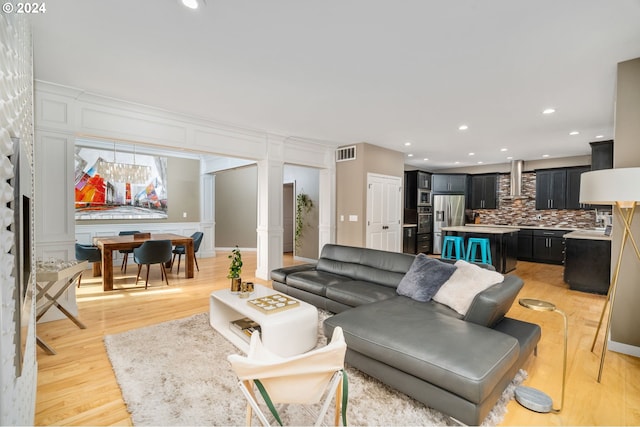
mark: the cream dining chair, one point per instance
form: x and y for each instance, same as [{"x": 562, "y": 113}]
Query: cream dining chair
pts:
[{"x": 301, "y": 379}]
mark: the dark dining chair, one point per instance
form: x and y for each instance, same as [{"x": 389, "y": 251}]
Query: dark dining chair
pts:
[
  {"x": 153, "y": 252},
  {"x": 182, "y": 250},
  {"x": 88, "y": 253},
  {"x": 126, "y": 252}
]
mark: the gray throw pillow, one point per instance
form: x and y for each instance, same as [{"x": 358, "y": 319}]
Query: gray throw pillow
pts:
[{"x": 424, "y": 278}]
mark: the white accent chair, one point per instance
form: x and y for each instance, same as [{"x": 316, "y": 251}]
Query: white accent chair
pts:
[{"x": 300, "y": 379}]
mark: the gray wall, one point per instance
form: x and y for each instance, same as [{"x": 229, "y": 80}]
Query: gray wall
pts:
[
  {"x": 236, "y": 193},
  {"x": 307, "y": 180},
  {"x": 626, "y": 153},
  {"x": 351, "y": 181},
  {"x": 183, "y": 192},
  {"x": 183, "y": 189}
]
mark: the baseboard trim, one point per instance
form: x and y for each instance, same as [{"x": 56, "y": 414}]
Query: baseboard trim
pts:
[
  {"x": 310, "y": 260},
  {"x": 619, "y": 347},
  {"x": 229, "y": 249}
]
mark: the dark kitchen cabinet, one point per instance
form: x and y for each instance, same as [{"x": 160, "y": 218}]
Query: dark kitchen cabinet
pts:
[
  {"x": 410, "y": 191},
  {"x": 588, "y": 265},
  {"x": 449, "y": 183},
  {"x": 414, "y": 180},
  {"x": 551, "y": 188},
  {"x": 525, "y": 245},
  {"x": 601, "y": 155},
  {"x": 573, "y": 188},
  {"x": 548, "y": 246},
  {"x": 423, "y": 243},
  {"x": 483, "y": 191},
  {"x": 409, "y": 240},
  {"x": 423, "y": 179}
]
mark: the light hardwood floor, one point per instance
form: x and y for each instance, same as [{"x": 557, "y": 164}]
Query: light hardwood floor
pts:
[{"x": 77, "y": 386}]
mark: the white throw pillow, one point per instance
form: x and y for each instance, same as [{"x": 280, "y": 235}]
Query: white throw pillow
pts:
[{"x": 464, "y": 284}]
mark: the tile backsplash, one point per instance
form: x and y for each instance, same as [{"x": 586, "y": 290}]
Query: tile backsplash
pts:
[{"x": 523, "y": 211}]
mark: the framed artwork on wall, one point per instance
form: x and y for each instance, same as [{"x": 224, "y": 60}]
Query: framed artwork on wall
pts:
[{"x": 119, "y": 185}]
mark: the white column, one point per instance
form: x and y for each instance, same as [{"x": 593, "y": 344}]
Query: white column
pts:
[
  {"x": 207, "y": 215},
  {"x": 270, "y": 229},
  {"x": 327, "y": 208}
]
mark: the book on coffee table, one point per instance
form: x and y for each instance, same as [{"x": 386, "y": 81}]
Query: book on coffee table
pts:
[{"x": 244, "y": 327}]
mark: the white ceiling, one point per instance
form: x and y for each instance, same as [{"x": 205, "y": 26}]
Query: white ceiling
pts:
[{"x": 384, "y": 72}]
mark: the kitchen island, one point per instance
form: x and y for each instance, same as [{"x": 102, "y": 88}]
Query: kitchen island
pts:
[
  {"x": 503, "y": 242},
  {"x": 587, "y": 265}
]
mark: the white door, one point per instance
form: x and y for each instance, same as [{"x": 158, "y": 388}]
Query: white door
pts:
[{"x": 384, "y": 208}]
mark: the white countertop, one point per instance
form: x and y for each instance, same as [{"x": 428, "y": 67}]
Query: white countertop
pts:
[
  {"x": 532, "y": 227},
  {"x": 587, "y": 234},
  {"x": 477, "y": 228}
]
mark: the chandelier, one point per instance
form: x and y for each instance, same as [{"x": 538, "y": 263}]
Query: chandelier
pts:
[{"x": 123, "y": 172}]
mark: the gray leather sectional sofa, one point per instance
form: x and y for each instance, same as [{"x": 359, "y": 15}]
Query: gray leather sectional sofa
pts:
[{"x": 459, "y": 365}]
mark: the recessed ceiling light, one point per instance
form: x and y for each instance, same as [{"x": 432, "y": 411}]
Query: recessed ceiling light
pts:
[
  {"x": 192, "y": 4},
  {"x": 545, "y": 155},
  {"x": 463, "y": 127},
  {"x": 425, "y": 159},
  {"x": 548, "y": 111},
  {"x": 410, "y": 155},
  {"x": 456, "y": 163},
  {"x": 472, "y": 154},
  {"x": 503, "y": 149},
  {"x": 599, "y": 136},
  {"x": 406, "y": 144},
  {"x": 510, "y": 158},
  {"x": 574, "y": 133},
  {"x": 480, "y": 163}
]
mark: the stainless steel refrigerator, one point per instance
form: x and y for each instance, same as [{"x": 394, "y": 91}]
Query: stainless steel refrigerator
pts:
[{"x": 448, "y": 210}]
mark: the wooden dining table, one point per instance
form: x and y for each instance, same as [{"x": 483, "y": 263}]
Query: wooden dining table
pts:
[{"x": 115, "y": 243}]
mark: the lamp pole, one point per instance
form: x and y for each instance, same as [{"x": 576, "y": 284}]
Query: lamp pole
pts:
[{"x": 532, "y": 398}]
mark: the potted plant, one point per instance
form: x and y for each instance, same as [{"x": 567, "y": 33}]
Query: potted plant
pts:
[{"x": 235, "y": 268}]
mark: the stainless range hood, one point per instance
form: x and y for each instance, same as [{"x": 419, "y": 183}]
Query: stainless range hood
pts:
[{"x": 515, "y": 187}]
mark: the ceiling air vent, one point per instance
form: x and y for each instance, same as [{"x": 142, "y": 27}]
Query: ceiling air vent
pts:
[{"x": 346, "y": 153}]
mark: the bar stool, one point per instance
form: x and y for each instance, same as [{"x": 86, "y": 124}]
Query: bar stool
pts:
[
  {"x": 453, "y": 247},
  {"x": 475, "y": 243}
]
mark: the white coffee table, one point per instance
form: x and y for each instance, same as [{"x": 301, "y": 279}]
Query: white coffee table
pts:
[{"x": 286, "y": 333}]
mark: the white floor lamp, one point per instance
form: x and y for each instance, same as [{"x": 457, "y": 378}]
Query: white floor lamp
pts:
[{"x": 620, "y": 188}]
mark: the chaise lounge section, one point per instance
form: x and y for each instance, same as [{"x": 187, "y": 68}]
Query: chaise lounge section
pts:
[{"x": 458, "y": 364}]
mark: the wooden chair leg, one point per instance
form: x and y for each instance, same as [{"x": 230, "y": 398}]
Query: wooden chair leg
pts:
[
  {"x": 196, "y": 260},
  {"x": 146, "y": 282},
  {"x": 179, "y": 259},
  {"x": 138, "y": 275},
  {"x": 249, "y": 385},
  {"x": 172, "y": 261},
  {"x": 79, "y": 279},
  {"x": 164, "y": 273},
  {"x": 125, "y": 259}
]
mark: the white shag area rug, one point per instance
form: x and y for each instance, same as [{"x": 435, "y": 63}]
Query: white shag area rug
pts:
[{"x": 176, "y": 373}]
